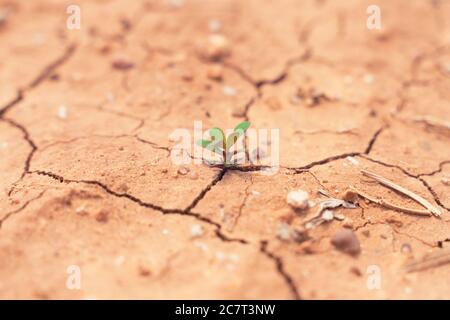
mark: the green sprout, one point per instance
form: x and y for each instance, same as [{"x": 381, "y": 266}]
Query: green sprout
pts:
[{"x": 221, "y": 145}]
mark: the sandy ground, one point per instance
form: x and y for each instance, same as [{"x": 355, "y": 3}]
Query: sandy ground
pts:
[{"x": 85, "y": 174}]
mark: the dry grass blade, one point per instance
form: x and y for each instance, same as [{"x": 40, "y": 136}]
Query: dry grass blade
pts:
[
  {"x": 430, "y": 121},
  {"x": 404, "y": 191},
  {"x": 434, "y": 260},
  {"x": 389, "y": 205}
]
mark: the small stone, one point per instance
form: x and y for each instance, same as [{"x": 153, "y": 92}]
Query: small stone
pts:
[
  {"x": 366, "y": 233},
  {"x": 102, "y": 216},
  {"x": 218, "y": 47},
  {"x": 273, "y": 103},
  {"x": 144, "y": 271},
  {"x": 406, "y": 248},
  {"x": 284, "y": 231},
  {"x": 62, "y": 112},
  {"x": 122, "y": 64},
  {"x": 123, "y": 187},
  {"x": 298, "y": 199},
  {"x": 229, "y": 91},
  {"x": 328, "y": 215},
  {"x": 193, "y": 176},
  {"x": 356, "y": 271},
  {"x": 119, "y": 261},
  {"x": 347, "y": 223},
  {"x": 183, "y": 171},
  {"x": 353, "y": 161},
  {"x": 81, "y": 210},
  {"x": 215, "y": 72},
  {"x": 350, "y": 196},
  {"x": 445, "y": 181},
  {"x": 339, "y": 216},
  {"x": 214, "y": 25},
  {"x": 196, "y": 230},
  {"x": 256, "y": 193},
  {"x": 346, "y": 241}
]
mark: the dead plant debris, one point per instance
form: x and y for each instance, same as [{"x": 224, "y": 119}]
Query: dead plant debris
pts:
[{"x": 402, "y": 190}]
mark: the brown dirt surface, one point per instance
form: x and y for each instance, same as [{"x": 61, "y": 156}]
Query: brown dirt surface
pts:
[{"x": 86, "y": 177}]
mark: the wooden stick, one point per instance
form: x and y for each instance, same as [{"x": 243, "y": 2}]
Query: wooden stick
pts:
[
  {"x": 389, "y": 205},
  {"x": 403, "y": 191}
]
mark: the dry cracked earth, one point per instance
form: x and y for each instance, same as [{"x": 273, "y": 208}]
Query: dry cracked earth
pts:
[{"x": 86, "y": 177}]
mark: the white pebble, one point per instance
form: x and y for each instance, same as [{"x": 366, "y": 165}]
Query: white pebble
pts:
[
  {"x": 328, "y": 215},
  {"x": 284, "y": 231},
  {"x": 62, "y": 112},
  {"x": 229, "y": 91},
  {"x": 256, "y": 193},
  {"x": 298, "y": 199},
  {"x": 353, "y": 161},
  {"x": 119, "y": 261},
  {"x": 165, "y": 232},
  {"x": 196, "y": 230},
  {"x": 214, "y": 25}
]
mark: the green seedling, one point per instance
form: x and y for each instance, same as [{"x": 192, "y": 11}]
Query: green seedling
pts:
[{"x": 221, "y": 145}]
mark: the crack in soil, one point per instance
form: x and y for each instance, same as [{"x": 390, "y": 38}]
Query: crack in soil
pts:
[
  {"x": 43, "y": 75},
  {"x": 24, "y": 206},
  {"x": 187, "y": 212},
  {"x": 281, "y": 270}
]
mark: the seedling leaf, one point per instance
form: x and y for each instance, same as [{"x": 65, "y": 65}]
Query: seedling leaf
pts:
[{"x": 243, "y": 126}]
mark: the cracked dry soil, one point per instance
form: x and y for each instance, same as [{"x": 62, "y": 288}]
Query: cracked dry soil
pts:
[{"x": 94, "y": 186}]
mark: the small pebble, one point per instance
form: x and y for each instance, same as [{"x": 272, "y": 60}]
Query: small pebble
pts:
[
  {"x": 144, "y": 271},
  {"x": 215, "y": 72},
  {"x": 298, "y": 199},
  {"x": 347, "y": 223},
  {"x": 353, "y": 161},
  {"x": 284, "y": 231},
  {"x": 183, "y": 171},
  {"x": 356, "y": 271},
  {"x": 445, "y": 181},
  {"x": 229, "y": 91},
  {"x": 218, "y": 47},
  {"x": 327, "y": 215},
  {"x": 350, "y": 196},
  {"x": 193, "y": 176},
  {"x": 214, "y": 25},
  {"x": 102, "y": 216},
  {"x": 346, "y": 241},
  {"x": 119, "y": 261},
  {"x": 196, "y": 230},
  {"x": 122, "y": 64},
  {"x": 62, "y": 112},
  {"x": 406, "y": 248},
  {"x": 256, "y": 193}
]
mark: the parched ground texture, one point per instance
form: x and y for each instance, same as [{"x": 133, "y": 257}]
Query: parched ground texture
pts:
[{"x": 85, "y": 173}]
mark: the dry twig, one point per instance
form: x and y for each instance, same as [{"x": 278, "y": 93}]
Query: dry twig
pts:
[
  {"x": 389, "y": 205},
  {"x": 432, "y": 260},
  {"x": 403, "y": 191}
]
